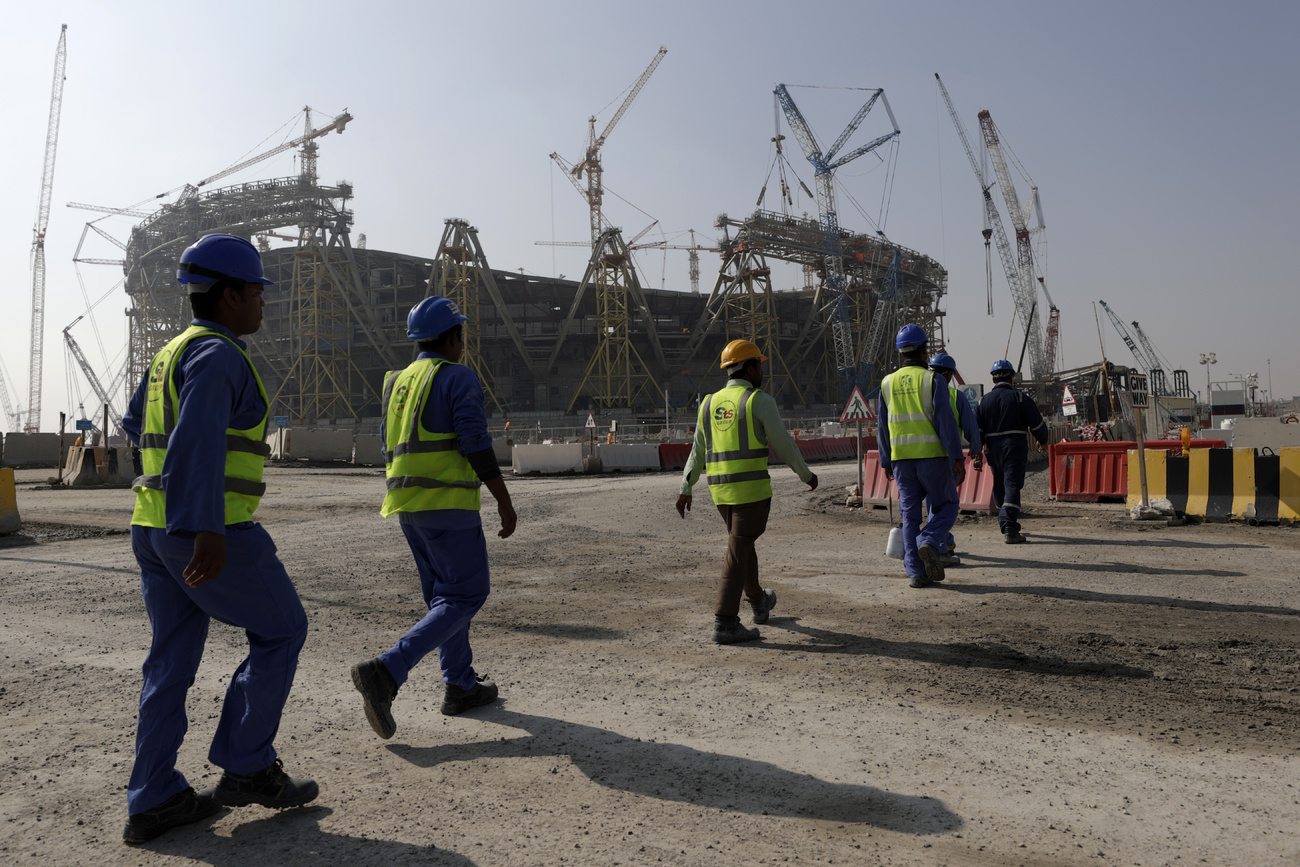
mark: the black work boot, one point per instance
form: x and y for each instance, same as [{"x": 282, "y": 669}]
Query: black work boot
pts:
[
  {"x": 182, "y": 808},
  {"x": 458, "y": 699},
  {"x": 270, "y": 787},
  {"x": 933, "y": 561},
  {"x": 378, "y": 689},
  {"x": 766, "y": 602},
  {"x": 1012, "y": 535},
  {"x": 728, "y": 630}
]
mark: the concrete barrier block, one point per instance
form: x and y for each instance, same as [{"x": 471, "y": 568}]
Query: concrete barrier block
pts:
[
  {"x": 1258, "y": 433},
  {"x": 502, "y": 449},
  {"x": 10, "y": 522},
  {"x": 621, "y": 457},
  {"x": 322, "y": 445},
  {"x": 561, "y": 458},
  {"x": 368, "y": 451},
  {"x": 279, "y": 441},
  {"x": 34, "y": 449}
]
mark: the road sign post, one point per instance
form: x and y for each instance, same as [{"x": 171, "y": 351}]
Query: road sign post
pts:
[
  {"x": 858, "y": 410},
  {"x": 591, "y": 426},
  {"x": 1137, "y": 388}
]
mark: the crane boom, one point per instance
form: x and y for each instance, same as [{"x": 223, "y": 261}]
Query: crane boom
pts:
[
  {"x": 35, "y": 368},
  {"x": 339, "y": 123},
  {"x": 1144, "y": 363},
  {"x": 837, "y": 314},
  {"x": 89, "y": 373},
  {"x": 13, "y": 420}
]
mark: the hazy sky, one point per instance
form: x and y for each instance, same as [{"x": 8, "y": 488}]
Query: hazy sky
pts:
[{"x": 1162, "y": 136}]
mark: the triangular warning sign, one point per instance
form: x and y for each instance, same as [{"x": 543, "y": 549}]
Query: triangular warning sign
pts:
[
  {"x": 1067, "y": 398},
  {"x": 857, "y": 409},
  {"x": 591, "y": 422}
]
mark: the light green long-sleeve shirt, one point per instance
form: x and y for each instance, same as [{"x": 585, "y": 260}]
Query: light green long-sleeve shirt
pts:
[{"x": 767, "y": 426}]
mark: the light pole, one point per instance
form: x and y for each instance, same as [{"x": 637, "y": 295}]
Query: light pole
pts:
[{"x": 1207, "y": 359}]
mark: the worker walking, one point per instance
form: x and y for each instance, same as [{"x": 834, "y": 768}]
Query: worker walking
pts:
[
  {"x": 438, "y": 454},
  {"x": 736, "y": 426},
  {"x": 946, "y": 366},
  {"x": 921, "y": 450},
  {"x": 1004, "y": 415},
  {"x": 199, "y": 418}
]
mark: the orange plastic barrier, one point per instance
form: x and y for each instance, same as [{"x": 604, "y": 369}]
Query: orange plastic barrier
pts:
[
  {"x": 1089, "y": 472},
  {"x": 672, "y": 456},
  {"x": 974, "y": 494}
]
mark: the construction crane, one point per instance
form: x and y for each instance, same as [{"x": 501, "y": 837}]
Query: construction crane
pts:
[
  {"x": 1158, "y": 384},
  {"x": 1042, "y": 355},
  {"x": 595, "y": 191},
  {"x": 1144, "y": 363},
  {"x": 824, "y": 166},
  {"x": 35, "y": 368},
  {"x": 13, "y": 419},
  {"x": 89, "y": 373}
]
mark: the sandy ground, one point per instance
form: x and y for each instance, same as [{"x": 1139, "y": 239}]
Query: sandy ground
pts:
[{"x": 1101, "y": 695}]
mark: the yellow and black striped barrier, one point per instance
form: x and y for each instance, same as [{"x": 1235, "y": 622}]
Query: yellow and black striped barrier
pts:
[{"x": 1257, "y": 486}]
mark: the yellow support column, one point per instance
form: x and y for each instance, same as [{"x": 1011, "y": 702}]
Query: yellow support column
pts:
[
  {"x": 1243, "y": 482},
  {"x": 1198, "y": 482}
]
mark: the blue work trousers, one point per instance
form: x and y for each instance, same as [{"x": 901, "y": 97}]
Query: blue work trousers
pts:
[
  {"x": 1007, "y": 458},
  {"x": 453, "y": 567},
  {"x": 926, "y": 480},
  {"x": 252, "y": 593}
]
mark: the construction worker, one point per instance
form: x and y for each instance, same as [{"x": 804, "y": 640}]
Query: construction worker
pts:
[
  {"x": 946, "y": 366},
  {"x": 199, "y": 418},
  {"x": 1004, "y": 415},
  {"x": 736, "y": 426},
  {"x": 921, "y": 450},
  {"x": 438, "y": 454}
]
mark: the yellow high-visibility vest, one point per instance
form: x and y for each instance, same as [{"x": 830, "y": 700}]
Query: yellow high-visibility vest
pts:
[
  {"x": 912, "y": 434},
  {"x": 246, "y": 450},
  {"x": 423, "y": 469},
  {"x": 735, "y": 458}
]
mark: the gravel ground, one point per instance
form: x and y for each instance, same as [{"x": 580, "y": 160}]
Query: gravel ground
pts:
[{"x": 1105, "y": 694}]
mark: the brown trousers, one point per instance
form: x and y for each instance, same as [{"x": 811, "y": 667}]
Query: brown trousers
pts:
[{"x": 745, "y": 523}]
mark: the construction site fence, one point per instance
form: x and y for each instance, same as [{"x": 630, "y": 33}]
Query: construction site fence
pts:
[{"x": 1257, "y": 486}]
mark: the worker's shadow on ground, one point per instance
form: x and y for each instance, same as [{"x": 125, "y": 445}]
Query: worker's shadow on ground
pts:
[
  {"x": 292, "y": 838},
  {"x": 961, "y": 654},
  {"x": 1111, "y": 542},
  {"x": 672, "y": 772},
  {"x": 1120, "y": 598},
  {"x": 1099, "y": 566}
]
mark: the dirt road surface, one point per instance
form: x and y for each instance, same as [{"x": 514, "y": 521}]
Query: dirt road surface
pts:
[{"x": 1100, "y": 695}]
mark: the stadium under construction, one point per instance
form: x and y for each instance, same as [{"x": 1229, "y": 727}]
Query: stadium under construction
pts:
[{"x": 334, "y": 321}]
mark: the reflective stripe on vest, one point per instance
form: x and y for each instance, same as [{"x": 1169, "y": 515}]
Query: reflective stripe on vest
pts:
[
  {"x": 423, "y": 469},
  {"x": 245, "y": 453},
  {"x": 907, "y": 395},
  {"x": 735, "y": 458}
]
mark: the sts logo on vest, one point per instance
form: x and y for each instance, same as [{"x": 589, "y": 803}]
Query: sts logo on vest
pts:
[{"x": 724, "y": 415}]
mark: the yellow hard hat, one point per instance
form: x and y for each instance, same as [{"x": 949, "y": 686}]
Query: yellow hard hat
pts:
[{"x": 738, "y": 351}]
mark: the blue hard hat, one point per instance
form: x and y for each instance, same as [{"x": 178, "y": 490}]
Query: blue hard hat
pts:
[
  {"x": 1002, "y": 366},
  {"x": 911, "y": 337},
  {"x": 943, "y": 361},
  {"x": 432, "y": 317},
  {"x": 213, "y": 257}
]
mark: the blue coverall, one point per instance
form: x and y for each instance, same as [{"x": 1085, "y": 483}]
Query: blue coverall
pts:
[
  {"x": 1004, "y": 415},
  {"x": 925, "y": 480},
  {"x": 970, "y": 428},
  {"x": 217, "y": 391},
  {"x": 449, "y": 547}
]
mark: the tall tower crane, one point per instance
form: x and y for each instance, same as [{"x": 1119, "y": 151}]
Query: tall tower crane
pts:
[
  {"x": 824, "y": 166},
  {"x": 1042, "y": 356},
  {"x": 590, "y": 163},
  {"x": 38, "y": 238}
]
